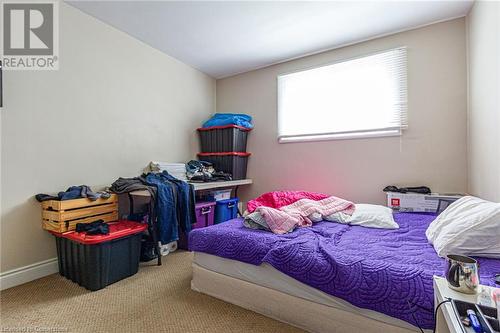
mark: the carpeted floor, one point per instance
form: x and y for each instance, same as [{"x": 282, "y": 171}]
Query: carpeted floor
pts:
[{"x": 155, "y": 299}]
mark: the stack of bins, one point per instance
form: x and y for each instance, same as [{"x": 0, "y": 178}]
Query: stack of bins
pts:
[{"x": 225, "y": 147}]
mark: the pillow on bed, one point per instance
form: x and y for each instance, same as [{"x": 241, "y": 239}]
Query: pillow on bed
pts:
[
  {"x": 365, "y": 215},
  {"x": 469, "y": 226}
]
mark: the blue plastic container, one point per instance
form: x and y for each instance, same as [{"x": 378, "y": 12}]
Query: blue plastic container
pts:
[{"x": 226, "y": 210}]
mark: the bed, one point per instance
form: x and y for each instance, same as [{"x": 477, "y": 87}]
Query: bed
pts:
[{"x": 329, "y": 277}]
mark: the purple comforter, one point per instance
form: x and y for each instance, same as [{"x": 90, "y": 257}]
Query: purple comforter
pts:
[{"x": 389, "y": 271}]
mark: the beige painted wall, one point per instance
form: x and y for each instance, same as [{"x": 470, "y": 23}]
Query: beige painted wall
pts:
[
  {"x": 114, "y": 105},
  {"x": 431, "y": 152},
  {"x": 483, "y": 28}
]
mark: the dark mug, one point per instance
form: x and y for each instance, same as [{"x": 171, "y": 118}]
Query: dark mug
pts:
[{"x": 462, "y": 273}]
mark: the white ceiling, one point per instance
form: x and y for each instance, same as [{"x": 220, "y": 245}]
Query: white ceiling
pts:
[{"x": 229, "y": 37}]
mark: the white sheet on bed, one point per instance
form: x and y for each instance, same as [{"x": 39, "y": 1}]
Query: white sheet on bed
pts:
[{"x": 267, "y": 276}]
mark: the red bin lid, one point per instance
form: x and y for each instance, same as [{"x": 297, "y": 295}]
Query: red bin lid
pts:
[
  {"x": 117, "y": 229},
  {"x": 230, "y": 153}
]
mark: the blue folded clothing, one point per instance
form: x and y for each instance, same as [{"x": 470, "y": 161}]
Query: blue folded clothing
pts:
[{"x": 223, "y": 119}]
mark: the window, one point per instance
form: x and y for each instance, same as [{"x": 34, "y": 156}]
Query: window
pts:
[{"x": 362, "y": 97}]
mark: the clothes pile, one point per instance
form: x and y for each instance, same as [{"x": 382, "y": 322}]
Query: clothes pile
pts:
[
  {"x": 74, "y": 192},
  {"x": 173, "y": 201},
  {"x": 202, "y": 171},
  {"x": 415, "y": 189},
  {"x": 177, "y": 170},
  {"x": 224, "y": 119},
  {"x": 278, "y": 199},
  {"x": 98, "y": 227},
  {"x": 281, "y": 212}
]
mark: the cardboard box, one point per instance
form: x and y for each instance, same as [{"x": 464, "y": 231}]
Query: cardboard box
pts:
[
  {"x": 414, "y": 202},
  {"x": 220, "y": 195}
]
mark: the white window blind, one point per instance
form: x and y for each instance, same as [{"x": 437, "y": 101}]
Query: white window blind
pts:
[{"x": 361, "y": 97}]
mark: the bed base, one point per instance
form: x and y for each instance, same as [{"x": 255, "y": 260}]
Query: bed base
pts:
[{"x": 298, "y": 312}]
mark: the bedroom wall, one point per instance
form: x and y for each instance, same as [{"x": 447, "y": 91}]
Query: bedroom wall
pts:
[
  {"x": 114, "y": 105},
  {"x": 431, "y": 152},
  {"x": 483, "y": 28}
]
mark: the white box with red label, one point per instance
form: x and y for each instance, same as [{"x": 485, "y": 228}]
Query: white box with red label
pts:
[{"x": 415, "y": 202}]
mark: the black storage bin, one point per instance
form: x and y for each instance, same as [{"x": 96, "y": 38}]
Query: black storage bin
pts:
[
  {"x": 96, "y": 261},
  {"x": 234, "y": 163},
  {"x": 230, "y": 138}
]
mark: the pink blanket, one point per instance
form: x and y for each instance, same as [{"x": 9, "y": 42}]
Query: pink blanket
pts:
[
  {"x": 278, "y": 199},
  {"x": 286, "y": 218}
]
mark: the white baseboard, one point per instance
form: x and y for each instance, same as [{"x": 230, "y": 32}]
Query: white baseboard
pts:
[{"x": 28, "y": 273}]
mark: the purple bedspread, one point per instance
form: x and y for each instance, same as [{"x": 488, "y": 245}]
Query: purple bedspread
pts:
[{"x": 389, "y": 271}]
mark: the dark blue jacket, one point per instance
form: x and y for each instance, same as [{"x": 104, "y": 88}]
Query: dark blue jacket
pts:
[{"x": 174, "y": 205}]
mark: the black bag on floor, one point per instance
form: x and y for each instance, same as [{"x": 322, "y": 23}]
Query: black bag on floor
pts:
[{"x": 148, "y": 249}]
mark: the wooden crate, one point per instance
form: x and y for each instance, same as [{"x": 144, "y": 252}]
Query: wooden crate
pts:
[{"x": 62, "y": 216}]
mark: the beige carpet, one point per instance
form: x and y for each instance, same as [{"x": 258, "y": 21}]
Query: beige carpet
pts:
[{"x": 155, "y": 299}]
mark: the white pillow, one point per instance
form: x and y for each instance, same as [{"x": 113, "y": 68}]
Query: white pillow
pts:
[
  {"x": 469, "y": 226},
  {"x": 371, "y": 216}
]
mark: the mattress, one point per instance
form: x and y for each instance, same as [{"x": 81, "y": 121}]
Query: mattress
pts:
[
  {"x": 387, "y": 271},
  {"x": 267, "y": 276}
]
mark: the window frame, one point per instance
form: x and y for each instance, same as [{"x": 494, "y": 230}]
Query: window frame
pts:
[{"x": 356, "y": 134}]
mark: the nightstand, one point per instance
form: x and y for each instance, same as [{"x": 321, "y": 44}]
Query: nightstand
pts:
[{"x": 447, "y": 321}]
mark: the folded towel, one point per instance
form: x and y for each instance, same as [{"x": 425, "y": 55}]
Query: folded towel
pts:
[{"x": 177, "y": 170}]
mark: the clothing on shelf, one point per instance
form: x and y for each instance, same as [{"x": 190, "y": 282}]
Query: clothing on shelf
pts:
[
  {"x": 74, "y": 192},
  {"x": 202, "y": 171},
  {"x": 127, "y": 185},
  {"x": 415, "y": 189}
]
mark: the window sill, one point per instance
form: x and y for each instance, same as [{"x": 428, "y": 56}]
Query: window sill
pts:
[{"x": 339, "y": 136}]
